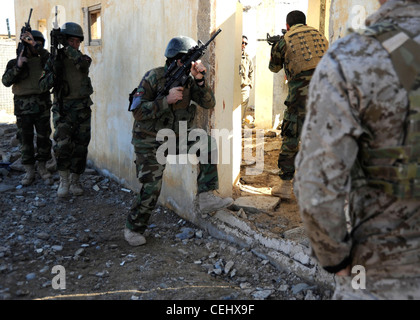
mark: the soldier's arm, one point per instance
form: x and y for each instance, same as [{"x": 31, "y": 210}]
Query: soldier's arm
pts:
[
  {"x": 278, "y": 51},
  {"x": 150, "y": 106},
  {"x": 323, "y": 165},
  {"x": 203, "y": 95},
  {"x": 47, "y": 80},
  {"x": 251, "y": 73},
  {"x": 45, "y": 55},
  {"x": 80, "y": 60},
  {"x": 13, "y": 73}
]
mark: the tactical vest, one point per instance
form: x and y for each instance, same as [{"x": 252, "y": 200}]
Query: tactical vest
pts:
[
  {"x": 29, "y": 85},
  {"x": 402, "y": 179},
  {"x": 78, "y": 83},
  {"x": 305, "y": 48}
]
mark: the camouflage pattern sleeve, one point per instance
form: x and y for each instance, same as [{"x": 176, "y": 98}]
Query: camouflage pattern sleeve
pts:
[
  {"x": 45, "y": 55},
  {"x": 81, "y": 60},
  {"x": 150, "y": 107},
  {"x": 251, "y": 73},
  {"x": 47, "y": 79},
  {"x": 203, "y": 96},
  {"x": 278, "y": 51},
  {"x": 324, "y": 163},
  {"x": 13, "y": 74}
]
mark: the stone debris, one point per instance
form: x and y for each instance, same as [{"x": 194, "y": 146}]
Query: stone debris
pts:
[{"x": 84, "y": 235}]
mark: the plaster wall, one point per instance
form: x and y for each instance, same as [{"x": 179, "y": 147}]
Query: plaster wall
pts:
[{"x": 227, "y": 114}]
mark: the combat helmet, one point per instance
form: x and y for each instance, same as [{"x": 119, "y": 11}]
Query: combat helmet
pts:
[
  {"x": 71, "y": 29},
  {"x": 38, "y": 36},
  {"x": 179, "y": 45}
]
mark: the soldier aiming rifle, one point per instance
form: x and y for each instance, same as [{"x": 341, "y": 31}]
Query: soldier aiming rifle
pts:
[
  {"x": 274, "y": 39},
  {"x": 22, "y": 47}
]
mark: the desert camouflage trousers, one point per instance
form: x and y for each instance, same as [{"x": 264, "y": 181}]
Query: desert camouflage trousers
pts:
[
  {"x": 25, "y": 133},
  {"x": 377, "y": 289},
  {"x": 150, "y": 172},
  {"x": 291, "y": 128},
  {"x": 72, "y": 134}
]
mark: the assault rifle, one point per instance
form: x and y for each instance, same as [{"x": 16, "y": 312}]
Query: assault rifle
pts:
[
  {"x": 175, "y": 75},
  {"x": 57, "y": 38},
  {"x": 273, "y": 39},
  {"x": 178, "y": 75},
  {"x": 55, "y": 35},
  {"x": 22, "y": 45}
]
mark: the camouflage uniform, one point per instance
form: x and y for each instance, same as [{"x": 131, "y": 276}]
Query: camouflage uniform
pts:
[
  {"x": 246, "y": 71},
  {"x": 32, "y": 107},
  {"x": 151, "y": 116},
  {"x": 298, "y": 82},
  {"x": 346, "y": 101},
  {"x": 72, "y": 116}
]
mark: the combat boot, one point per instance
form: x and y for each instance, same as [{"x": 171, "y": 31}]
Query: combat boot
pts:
[
  {"x": 208, "y": 202},
  {"x": 44, "y": 173},
  {"x": 75, "y": 186},
  {"x": 63, "y": 189},
  {"x": 133, "y": 238},
  {"x": 29, "y": 177},
  {"x": 284, "y": 190}
]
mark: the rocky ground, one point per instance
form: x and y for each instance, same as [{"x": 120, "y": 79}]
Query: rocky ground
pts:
[{"x": 74, "y": 248}]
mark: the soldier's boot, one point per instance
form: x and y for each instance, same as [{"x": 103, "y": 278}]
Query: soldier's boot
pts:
[
  {"x": 29, "y": 177},
  {"x": 44, "y": 173},
  {"x": 133, "y": 238},
  {"x": 63, "y": 189},
  {"x": 209, "y": 202},
  {"x": 284, "y": 190},
  {"x": 75, "y": 186}
]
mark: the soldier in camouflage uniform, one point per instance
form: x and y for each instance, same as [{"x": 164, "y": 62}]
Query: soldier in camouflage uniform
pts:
[
  {"x": 359, "y": 142},
  {"x": 172, "y": 110},
  {"x": 32, "y": 107},
  {"x": 71, "y": 108},
  {"x": 298, "y": 52},
  {"x": 246, "y": 72}
]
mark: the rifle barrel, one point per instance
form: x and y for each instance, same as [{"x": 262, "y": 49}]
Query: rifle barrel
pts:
[
  {"x": 30, "y": 15},
  {"x": 213, "y": 37}
]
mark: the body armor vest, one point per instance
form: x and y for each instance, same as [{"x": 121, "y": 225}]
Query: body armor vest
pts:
[
  {"x": 402, "y": 179},
  {"x": 78, "y": 83},
  {"x": 305, "y": 48},
  {"x": 29, "y": 85}
]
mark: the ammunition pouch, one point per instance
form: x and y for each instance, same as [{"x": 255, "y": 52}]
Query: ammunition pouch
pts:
[{"x": 401, "y": 178}]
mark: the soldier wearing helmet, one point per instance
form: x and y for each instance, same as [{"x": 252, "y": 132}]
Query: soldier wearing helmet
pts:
[
  {"x": 173, "y": 109},
  {"x": 31, "y": 106},
  {"x": 298, "y": 53},
  {"x": 71, "y": 108}
]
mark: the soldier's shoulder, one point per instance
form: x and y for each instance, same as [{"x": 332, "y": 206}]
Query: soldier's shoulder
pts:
[
  {"x": 354, "y": 42},
  {"x": 154, "y": 74},
  {"x": 11, "y": 63}
]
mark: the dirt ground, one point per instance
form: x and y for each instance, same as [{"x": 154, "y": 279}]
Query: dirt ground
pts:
[{"x": 83, "y": 238}]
